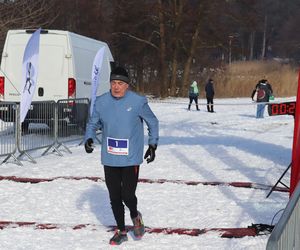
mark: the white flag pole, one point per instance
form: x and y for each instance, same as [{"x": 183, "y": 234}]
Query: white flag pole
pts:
[
  {"x": 29, "y": 73},
  {"x": 97, "y": 64}
]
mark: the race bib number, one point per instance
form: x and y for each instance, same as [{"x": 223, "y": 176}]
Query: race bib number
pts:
[{"x": 117, "y": 146}]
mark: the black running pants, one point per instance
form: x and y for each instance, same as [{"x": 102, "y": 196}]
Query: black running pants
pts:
[
  {"x": 210, "y": 104},
  {"x": 193, "y": 98},
  {"x": 121, "y": 183}
]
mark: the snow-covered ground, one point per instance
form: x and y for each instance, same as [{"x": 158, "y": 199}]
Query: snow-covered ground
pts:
[{"x": 230, "y": 145}]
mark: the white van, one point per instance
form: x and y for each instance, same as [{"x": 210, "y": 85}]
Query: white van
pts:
[{"x": 65, "y": 65}]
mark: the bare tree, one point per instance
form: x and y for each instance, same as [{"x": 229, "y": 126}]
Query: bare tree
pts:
[
  {"x": 29, "y": 14},
  {"x": 177, "y": 8},
  {"x": 162, "y": 46},
  {"x": 165, "y": 43}
]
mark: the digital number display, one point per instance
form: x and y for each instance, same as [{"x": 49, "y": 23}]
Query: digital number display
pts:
[{"x": 285, "y": 108}]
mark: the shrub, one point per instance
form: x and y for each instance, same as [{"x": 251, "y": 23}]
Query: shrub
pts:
[{"x": 240, "y": 78}]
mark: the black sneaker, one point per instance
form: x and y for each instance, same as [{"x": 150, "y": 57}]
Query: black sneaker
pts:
[
  {"x": 138, "y": 226},
  {"x": 118, "y": 238}
]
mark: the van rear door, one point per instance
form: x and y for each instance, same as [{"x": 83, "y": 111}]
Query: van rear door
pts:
[
  {"x": 55, "y": 67},
  {"x": 53, "y": 71}
]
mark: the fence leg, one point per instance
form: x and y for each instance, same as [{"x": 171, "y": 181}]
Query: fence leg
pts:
[
  {"x": 15, "y": 158},
  {"x": 81, "y": 142},
  {"x": 66, "y": 148},
  {"x": 29, "y": 156},
  {"x": 54, "y": 149}
]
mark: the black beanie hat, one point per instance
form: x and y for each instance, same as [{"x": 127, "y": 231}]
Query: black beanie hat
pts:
[{"x": 119, "y": 73}]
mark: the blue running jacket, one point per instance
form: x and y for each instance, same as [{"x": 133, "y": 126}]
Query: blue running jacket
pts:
[{"x": 121, "y": 122}]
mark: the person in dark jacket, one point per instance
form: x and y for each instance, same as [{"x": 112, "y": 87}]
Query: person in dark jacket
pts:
[
  {"x": 210, "y": 92},
  {"x": 261, "y": 94}
]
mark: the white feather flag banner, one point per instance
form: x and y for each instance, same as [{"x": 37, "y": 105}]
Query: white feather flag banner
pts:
[
  {"x": 29, "y": 73},
  {"x": 97, "y": 65}
]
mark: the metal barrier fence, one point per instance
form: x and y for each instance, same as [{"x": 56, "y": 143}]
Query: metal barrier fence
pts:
[
  {"x": 8, "y": 130},
  {"x": 37, "y": 130},
  {"x": 72, "y": 117},
  {"x": 286, "y": 233},
  {"x": 47, "y": 125}
]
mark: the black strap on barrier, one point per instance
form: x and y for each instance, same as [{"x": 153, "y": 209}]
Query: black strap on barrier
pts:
[
  {"x": 262, "y": 229},
  {"x": 279, "y": 181}
]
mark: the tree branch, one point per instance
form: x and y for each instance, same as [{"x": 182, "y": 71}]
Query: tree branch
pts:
[{"x": 136, "y": 38}]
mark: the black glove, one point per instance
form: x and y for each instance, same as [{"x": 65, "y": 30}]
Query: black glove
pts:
[
  {"x": 89, "y": 145},
  {"x": 150, "y": 153}
]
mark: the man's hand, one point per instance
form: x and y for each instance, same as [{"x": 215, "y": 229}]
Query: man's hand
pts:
[
  {"x": 150, "y": 153},
  {"x": 89, "y": 145}
]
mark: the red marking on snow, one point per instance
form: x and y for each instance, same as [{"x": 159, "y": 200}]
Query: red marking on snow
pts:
[
  {"x": 38, "y": 180},
  {"x": 223, "y": 232},
  {"x": 158, "y": 181},
  {"x": 216, "y": 183},
  {"x": 81, "y": 226}
]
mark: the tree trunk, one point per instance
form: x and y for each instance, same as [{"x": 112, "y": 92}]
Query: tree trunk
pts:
[
  {"x": 162, "y": 52},
  {"x": 187, "y": 67},
  {"x": 263, "y": 52},
  {"x": 251, "y": 43},
  {"x": 139, "y": 77},
  {"x": 178, "y": 19}
]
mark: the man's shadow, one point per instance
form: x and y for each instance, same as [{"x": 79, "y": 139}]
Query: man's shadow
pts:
[{"x": 98, "y": 200}]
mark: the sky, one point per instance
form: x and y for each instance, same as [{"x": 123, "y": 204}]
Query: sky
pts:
[{"x": 230, "y": 145}]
